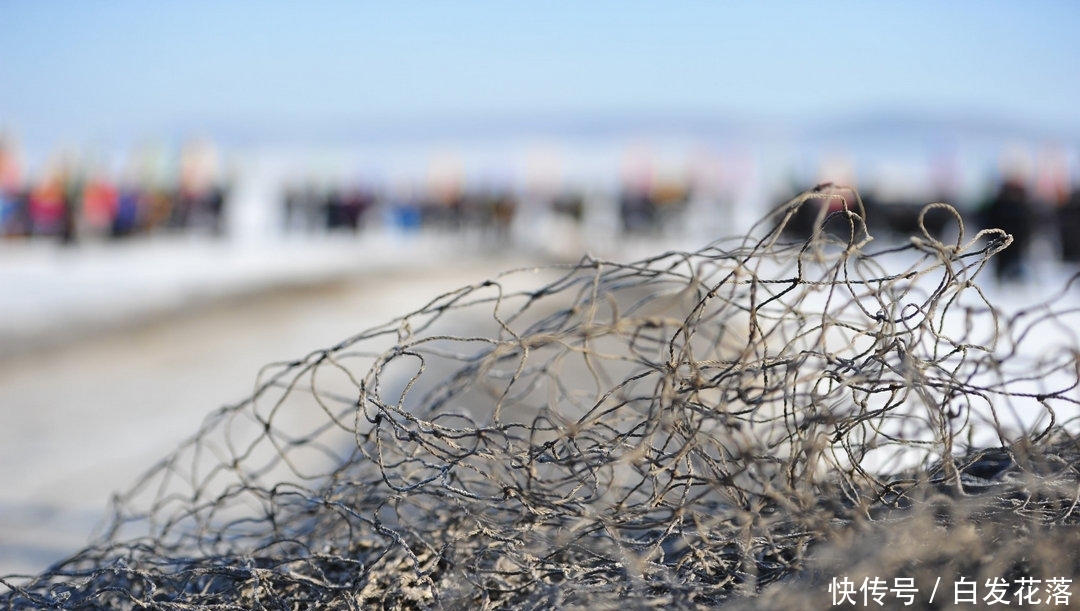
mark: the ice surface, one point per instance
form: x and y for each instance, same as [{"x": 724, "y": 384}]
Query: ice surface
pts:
[{"x": 88, "y": 400}]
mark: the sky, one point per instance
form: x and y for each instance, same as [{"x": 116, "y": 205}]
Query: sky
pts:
[{"x": 77, "y": 71}]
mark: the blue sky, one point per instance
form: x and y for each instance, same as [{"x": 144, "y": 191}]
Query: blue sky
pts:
[{"x": 83, "y": 70}]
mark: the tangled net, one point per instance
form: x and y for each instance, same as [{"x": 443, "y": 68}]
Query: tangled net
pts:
[{"x": 734, "y": 424}]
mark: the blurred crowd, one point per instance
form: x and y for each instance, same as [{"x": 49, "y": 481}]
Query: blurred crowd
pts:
[
  {"x": 486, "y": 210},
  {"x": 1034, "y": 218},
  {"x": 1042, "y": 215},
  {"x": 75, "y": 199},
  {"x": 311, "y": 209}
]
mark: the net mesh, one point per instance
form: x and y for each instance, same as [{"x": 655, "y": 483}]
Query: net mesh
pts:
[{"x": 694, "y": 429}]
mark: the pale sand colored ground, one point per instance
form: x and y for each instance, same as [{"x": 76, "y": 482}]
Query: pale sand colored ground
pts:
[{"x": 83, "y": 420}]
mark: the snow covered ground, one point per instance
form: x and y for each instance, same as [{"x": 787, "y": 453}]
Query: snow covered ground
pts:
[{"x": 111, "y": 354}]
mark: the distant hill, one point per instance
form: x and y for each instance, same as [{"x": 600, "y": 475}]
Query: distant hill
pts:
[{"x": 882, "y": 126}]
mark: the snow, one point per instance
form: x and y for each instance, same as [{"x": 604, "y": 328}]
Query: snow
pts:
[
  {"x": 48, "y": 293},
  {"x": 112, "y": 353}
]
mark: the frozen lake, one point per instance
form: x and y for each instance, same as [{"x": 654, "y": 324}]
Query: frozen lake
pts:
[{"x": 95, "y": 389}]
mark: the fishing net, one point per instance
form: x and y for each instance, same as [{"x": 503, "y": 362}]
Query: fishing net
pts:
[{"x": 737, "y": 425}]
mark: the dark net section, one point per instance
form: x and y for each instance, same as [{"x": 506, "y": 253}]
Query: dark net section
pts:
[{"x": 681, "y": 432}]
